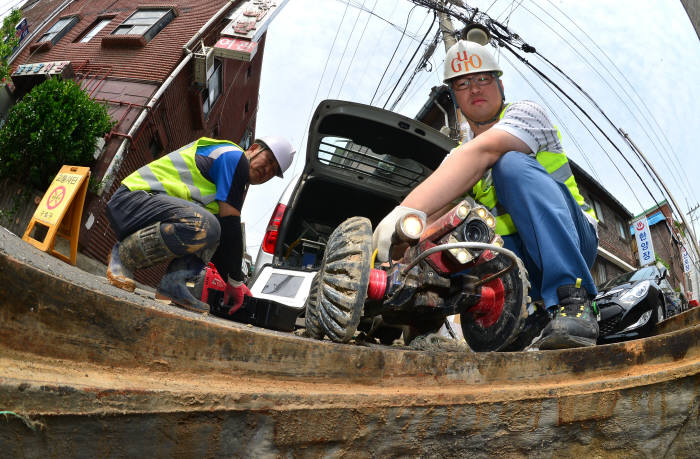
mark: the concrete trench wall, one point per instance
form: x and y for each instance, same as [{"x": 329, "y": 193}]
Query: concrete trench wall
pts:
[{"x": 107, "y": 373}]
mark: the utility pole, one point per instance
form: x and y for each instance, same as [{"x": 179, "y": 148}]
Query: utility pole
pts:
[
  {"x": 448, "y": 37},
  {"x": 446, "y": 27}
]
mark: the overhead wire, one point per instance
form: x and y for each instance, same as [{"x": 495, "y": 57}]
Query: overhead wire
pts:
[
  {"x": 605, "y": 81},
  {"x": 342, "y": 55},
  {"x": 357, "y": 46},
  {"x": 392, "y": 77},
  {"x": 318, "y": 88},
  {"x": 648, "y": 111},
  {"x": 418, "y": 48},
  {"x": 422, "y": 63},
  {"x": 403, "y": 34}
]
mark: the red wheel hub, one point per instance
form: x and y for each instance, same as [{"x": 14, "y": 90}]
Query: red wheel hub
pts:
[
  {"x": 487, "y": 311},
  {"x": 377, "y": 284}
]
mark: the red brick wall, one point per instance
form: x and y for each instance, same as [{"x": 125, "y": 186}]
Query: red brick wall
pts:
[{"x": 152, "y": 62}]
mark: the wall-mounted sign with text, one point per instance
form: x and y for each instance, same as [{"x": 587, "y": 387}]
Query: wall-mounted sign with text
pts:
[{"x": 250, "y": 19}]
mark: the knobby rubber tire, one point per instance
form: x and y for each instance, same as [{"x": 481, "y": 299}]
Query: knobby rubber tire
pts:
[
  {"x": 311, "y": 320},
  {"x": 509, "y": 325},
  {"x": 344, "y": 278}
]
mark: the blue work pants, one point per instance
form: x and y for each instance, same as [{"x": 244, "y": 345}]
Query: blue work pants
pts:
[{"x": 555, "y": 240}]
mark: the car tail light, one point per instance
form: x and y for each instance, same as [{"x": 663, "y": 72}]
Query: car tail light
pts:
[{"x": 273, "y": 229}]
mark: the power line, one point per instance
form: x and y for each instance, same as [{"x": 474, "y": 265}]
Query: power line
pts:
[
  {"x": 401, "y": 61},
  {"x": 420, "y": 66},
  {"x": 403, "y": 33},
  {"x": 602, "y": 78},
  {"x": 409, "y": 63},
  {"x": 342, "y": 55},
  {"x": 352, "y": 59}
]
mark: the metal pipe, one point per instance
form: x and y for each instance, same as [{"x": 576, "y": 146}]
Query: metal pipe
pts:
[
  {"x": 114, "y": 165},
  {"x": 461, "y": 245}
]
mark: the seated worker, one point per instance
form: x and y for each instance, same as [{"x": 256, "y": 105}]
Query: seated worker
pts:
[
  {"x": 514, "y": 164},
  {"x": 185, "y": 208}
]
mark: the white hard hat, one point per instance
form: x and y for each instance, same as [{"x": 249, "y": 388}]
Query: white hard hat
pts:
[
  {"x": 465, "y": 57},
  {"x": 281, "y": 149}
]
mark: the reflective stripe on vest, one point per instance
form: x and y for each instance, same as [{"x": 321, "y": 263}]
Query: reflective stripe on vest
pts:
[
  {"x": 558, "y": 167},
  {"x": 176, "y": 174}
]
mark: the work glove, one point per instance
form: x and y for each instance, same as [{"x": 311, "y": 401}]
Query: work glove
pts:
[
  {"x": 234, "y": 293},
  {"x": 382, "y": 237}
]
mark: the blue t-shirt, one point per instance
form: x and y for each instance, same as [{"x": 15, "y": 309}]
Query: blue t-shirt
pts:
[{"x": 227, "y": 167}]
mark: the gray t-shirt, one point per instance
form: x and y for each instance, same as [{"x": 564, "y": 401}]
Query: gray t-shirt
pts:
[{"x": 528, "y": 122}]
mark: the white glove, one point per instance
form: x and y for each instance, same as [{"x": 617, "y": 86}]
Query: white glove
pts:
[{"x": 381, "y": 239}]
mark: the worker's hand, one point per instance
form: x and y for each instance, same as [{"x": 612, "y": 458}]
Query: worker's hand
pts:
[
  {"x": 234, "y": 293},
  {"x": 381, "y": 239}
]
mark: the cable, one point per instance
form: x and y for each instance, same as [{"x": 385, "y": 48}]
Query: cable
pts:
[
  {"x": 342, "y": 55},
  {"x": 409, "y": 62},
  {"x": 672, "y": 151},
  {"x": 595, "y": 70},
  {"x": 401, "y": 61},
  {"x": 403, "y": 33},
  {"x": 352, "y": 59},
  {"x": 420, "y": 66},
  {"x": 318, "y": 88}
]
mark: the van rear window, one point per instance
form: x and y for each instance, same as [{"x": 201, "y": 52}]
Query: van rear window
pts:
[{"x": 345, "y": 154}]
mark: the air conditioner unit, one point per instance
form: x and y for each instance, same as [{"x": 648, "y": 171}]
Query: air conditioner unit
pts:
[{"x": 203, "y": 65}]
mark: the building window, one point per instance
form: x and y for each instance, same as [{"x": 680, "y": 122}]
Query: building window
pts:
[
  {"x": 145, "y": 22},
  {"x": 599, "y": 273},
  {"x": 212, "y": 91},
  {"x": 598, "y": 210},
  {"x": 58, "y": 30},
  {"x": 96, "y": 27},
  {"x": 622, "y": 228}
]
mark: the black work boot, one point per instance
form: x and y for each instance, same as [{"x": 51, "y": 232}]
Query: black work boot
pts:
[
  {"x": 573, "y": 323},
  {"x": 141, "y": 249},
  {"x": 174, "y": 284}
]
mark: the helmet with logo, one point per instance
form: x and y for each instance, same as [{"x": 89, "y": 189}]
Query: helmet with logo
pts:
[
  {"x": 465, "y": 57},
  {"x": 282, "y": 150}
]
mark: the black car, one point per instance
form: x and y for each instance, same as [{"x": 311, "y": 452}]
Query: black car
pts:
[{"x": 631, "y": 305}]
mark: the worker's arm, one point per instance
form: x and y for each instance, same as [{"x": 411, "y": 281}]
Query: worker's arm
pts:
[
  {"x": 226, "y": 209},
  {"x": 462, "y": 169},
  {"x": 229, "y": 256}
]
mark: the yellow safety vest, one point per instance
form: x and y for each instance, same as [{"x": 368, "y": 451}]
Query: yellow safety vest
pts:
[
  {"x": 177, "y": 174},
  {"x": 556, "y": 164}
]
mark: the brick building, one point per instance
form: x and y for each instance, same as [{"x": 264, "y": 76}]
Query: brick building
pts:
[{"x": 147, "y": 61}]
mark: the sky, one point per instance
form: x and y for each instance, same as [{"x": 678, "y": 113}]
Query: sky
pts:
[{"x": 638, "y": 59}]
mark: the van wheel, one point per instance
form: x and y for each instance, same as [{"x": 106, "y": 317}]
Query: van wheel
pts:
[
  {"x": 344, "y": 278},
  {"x": 311, "y": 321}
]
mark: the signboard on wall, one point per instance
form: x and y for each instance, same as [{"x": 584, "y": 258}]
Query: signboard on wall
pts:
[
  {"x": 235, "y": 48},
  {"x": 645, "y": 247},
  {"x": 686, "y": 260},
  {"x": 62, "y": 68},
  {"x": 250, "y": 19}
]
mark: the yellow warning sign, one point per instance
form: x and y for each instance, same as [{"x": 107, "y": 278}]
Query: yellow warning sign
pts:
[
  {"x": 59, "y": 212},
  {"x": 56, "y": 200}
]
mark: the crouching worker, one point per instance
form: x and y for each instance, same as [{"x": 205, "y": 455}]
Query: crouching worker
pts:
[
  {"x": 185, "y": 208},
  {"x": 513, "y": 162}
]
